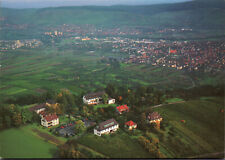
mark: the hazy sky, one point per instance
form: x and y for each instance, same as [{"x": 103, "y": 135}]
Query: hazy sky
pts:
[{"x": 55, "y": 3}]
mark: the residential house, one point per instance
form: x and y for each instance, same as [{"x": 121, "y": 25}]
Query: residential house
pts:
[
  {"x": 38, "y": 108},
  {"x": 123, "y": 108},
  {"x": 93, "y": 98},
  {"x": 49, "y": 120},
  {"x": 106, "y": 127},
  {"x": 42, "y": 114},
  {"x": 154, "y": 117},
  {"x": 66, "y": 130},
  {"x": 111, "y": 101},
  {"x": 131, "y": 125}
]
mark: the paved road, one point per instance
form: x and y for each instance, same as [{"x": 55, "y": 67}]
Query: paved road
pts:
[{"x": 160, "y": 105}]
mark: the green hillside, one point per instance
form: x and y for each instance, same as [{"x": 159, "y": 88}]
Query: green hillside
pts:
[
  {"x": 201, "y": 133},
  {"x": 195, "y": 14}
]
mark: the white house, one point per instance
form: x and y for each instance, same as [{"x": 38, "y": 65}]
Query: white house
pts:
[
  {"x": 93, "y": 98},
  {"x": 111, "y": 101},
  {"x": 106, "y": 127},
  {"x": 49, "y": 120}
]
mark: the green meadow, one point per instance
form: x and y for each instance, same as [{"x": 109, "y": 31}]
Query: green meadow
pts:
[
  {"x": 201, "y": 132},
  {"x": 22, "y": 143},
  {"x": 28, "y": 71},
  {"x": 118, "y": 145}
]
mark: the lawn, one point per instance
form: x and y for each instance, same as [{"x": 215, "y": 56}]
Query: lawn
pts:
[
  {"x": 78, "y": 71},
  {"x": 172, "y": 100},
  {"x": 117, "y": 145},
  {"x": 103, "y": 106},
  {"x": 21, "y": 143}
]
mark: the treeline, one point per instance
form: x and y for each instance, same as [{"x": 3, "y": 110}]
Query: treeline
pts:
[
  {"x": 196, "y": 92},
  {"x": 12, "y": 114},
  {"x": 15, "y": 116}
]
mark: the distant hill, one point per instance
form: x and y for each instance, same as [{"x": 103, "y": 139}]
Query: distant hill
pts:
[{"x": 208, "y": 14}]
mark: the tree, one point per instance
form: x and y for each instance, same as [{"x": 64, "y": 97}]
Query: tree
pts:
[
  {"x": 68, "y": 150},
  {"x": 85, "y": 111},
  {"x": 17, "y": 119},
  {"x": 74, "y": 153},
  {"x": 79, "y": 127},
  {"x": 110, "y": 90},
  {"x": 159, "y": 154},
  {"x": 26, "y": 116},
  {"x": 35, "y": 117},
  {"x": 105, "y": 98},
  {"x": 143, "y": 122}
]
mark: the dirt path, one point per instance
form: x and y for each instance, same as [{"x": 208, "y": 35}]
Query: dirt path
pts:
[
  {"x": 90, "y": 149},
  {"x": 55, "y": 141},
  {"x": 47, "y": 137},
  {"x": 210, "y": 155},
  {"x": 160, "y": 105}
]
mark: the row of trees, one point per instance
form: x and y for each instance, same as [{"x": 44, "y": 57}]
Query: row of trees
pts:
[
  {"x": 15, "y": 116},
  {"x": 69, "y": 150},
  {"x": 152, "y": 146},
  {"x": 148, "y": 96},
  {"x": 138, "y": 97}
]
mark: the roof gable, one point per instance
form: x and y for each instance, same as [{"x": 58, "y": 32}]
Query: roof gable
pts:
[
  {"x": 94, "y": 95},
  {"x": 130, "y": 123},
  {"x": 50, "y": 117},
  {"x": 122, "y": 108},
  {"x": 154, "y": 116},
  {"x": 37, "y": 107},
  {"x": 107, "y": 124}
]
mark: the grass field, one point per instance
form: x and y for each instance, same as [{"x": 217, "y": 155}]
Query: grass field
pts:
[
  {"x": 202, "y": 132},
  {"x": 172, "y": 100},
  {"x": 79, "y": 71},
  {"x": 117, "y": 145},
  {"x": 22, "y": 143},
  {"x": 103, "y": 106}
]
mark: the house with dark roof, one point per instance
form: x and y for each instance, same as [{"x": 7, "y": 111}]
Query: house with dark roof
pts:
[
  {"x": 154, "y": 117},
  {"x": 66, "y": 130},
  {"x": 106, "y": 127},
  {"x": 49, "y": 120},
  {"x": 130, "y": 125},
  {"x": 38, "y": 108},
  {"x": 122, "y": 109},
  {"x": 93, "y": 98}
]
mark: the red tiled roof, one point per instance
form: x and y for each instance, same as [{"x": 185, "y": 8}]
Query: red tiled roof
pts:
[
  {"x": 122, "y": 108},
  {"x": 173, "y": 51},
  {"x": 50, "y": 117},
  {"x": 42, "y": 113},
  {"x": 130, "y": 123}
]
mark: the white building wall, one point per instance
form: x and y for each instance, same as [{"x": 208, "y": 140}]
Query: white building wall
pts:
[
  {"x": 111, "y": 101},
  {"x": 46, "y": 124},
  {"x": 39, "y": 110},
  {"x": 98, "y": 133}
]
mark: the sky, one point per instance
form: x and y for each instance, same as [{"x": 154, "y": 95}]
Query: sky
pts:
[{"x": 57, "y": 3}]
